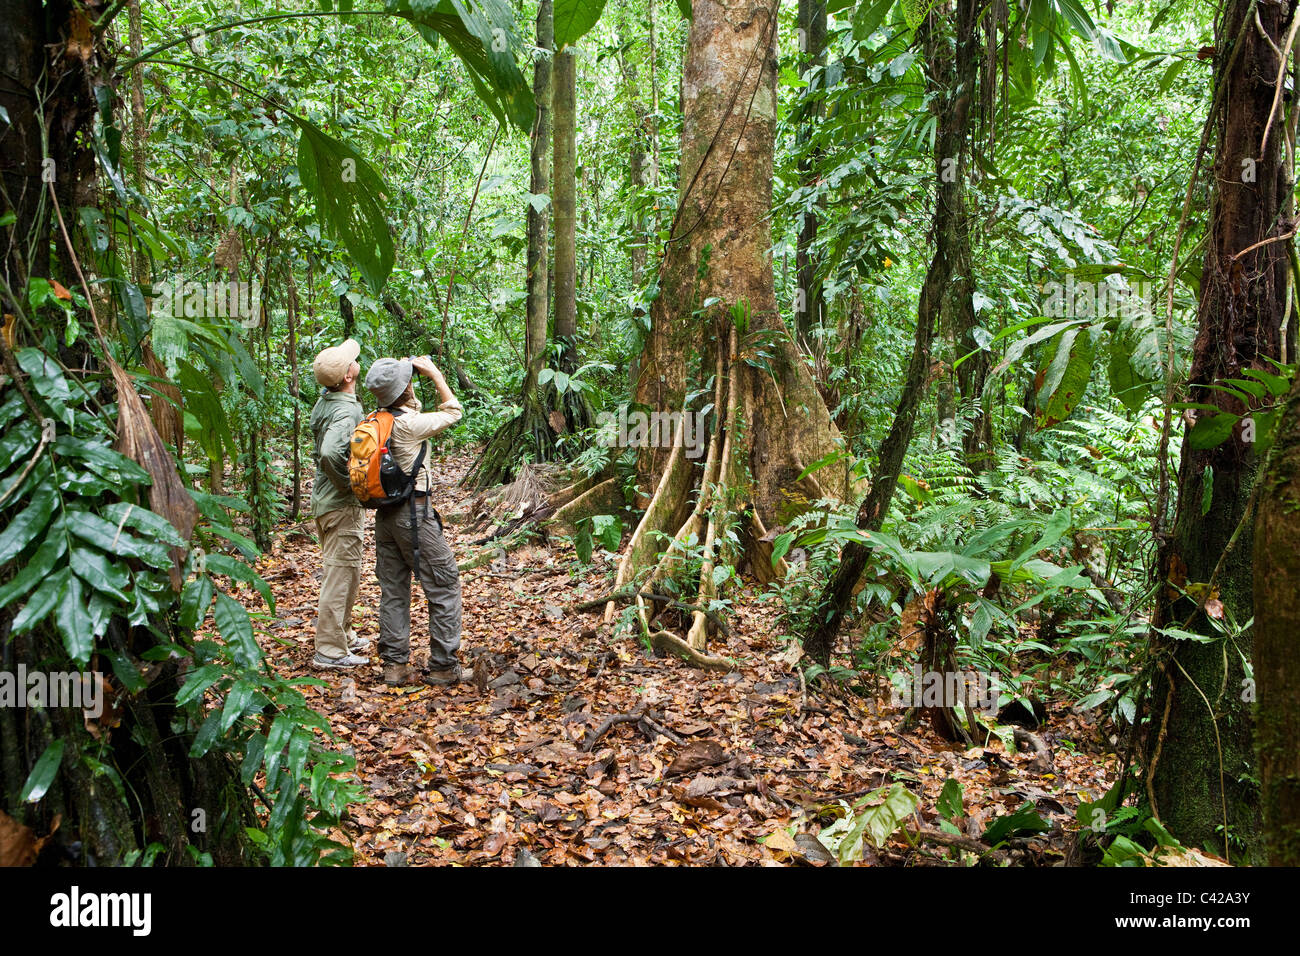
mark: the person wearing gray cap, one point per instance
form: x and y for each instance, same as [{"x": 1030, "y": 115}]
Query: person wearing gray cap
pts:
[
  {"x": 408, "y": 536},
  {"x": 338, "y": 517}
]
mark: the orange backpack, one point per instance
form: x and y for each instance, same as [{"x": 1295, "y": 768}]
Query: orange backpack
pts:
[{"x": 377, "y": 480}]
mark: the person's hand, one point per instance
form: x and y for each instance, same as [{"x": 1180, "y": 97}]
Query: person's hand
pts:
[{"x": 424, "y": 365}]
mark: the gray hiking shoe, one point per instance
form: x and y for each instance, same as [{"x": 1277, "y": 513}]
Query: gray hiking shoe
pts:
[
  {"x": 395, "y": 675},
  {"x": 338, "y": 663},
  {"x": 447, "y": 675},
  {"x": 357, "y": 643}
]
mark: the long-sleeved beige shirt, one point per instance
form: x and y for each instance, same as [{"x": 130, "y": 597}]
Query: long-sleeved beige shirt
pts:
[{"x": 413, "y": 428}]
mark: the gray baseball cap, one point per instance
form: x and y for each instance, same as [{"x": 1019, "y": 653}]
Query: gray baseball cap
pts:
[{"x": 388, "y": 379}]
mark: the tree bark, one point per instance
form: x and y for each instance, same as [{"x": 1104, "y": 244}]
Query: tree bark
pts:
[
  {"x": 566, "y": 249},
  {"x": 1277, "y": 654},
  {"x": 529, "y": 432},
  {"x": 154, "y": 784},
  {"x": 717, "y": 302},
  {"x": 809, "y": 305},
  {"x": 1200, "y": 752},
  {"x": 539, "y": 219}
]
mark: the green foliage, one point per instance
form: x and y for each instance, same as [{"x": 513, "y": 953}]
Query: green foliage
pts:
[
  {"x": 573, "y": 20},
  {"x": 349, "y": 196},
  {"x": 85, "y": 550},
  {"x": 871, "y": 819}
]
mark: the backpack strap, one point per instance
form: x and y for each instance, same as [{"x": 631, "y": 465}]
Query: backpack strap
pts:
[{"x": 415, "y": 527}]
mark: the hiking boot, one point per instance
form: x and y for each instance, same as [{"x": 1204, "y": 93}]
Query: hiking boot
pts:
[
  {"x": 357, "y": 643},
  {"x": 447, "y": 675},
  {"x": 338, "y": 663},
  {"x": 395, "y": 675}
]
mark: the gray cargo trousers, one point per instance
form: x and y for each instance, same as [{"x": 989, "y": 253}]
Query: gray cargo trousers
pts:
[{"x": 439, "y": 577}]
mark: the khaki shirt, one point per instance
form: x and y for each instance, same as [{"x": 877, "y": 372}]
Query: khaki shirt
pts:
[{"x": 413, "y": 428}]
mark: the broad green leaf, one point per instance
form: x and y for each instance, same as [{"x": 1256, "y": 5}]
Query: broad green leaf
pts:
[
  {"x": 142, "y": 519},
  {"x": 781, "y": 545},
  {"x": 236, "y": 629},
  {"x": 35, "y": 570},
  {"x": 1024, "y": 820},
  {"x": 608, "y": 531},
  {"x": 195, "y": 601},
  {"x": 40, "y": 604},
  {"x": 27, "y": 524},
  {"x": 43, "y": 773},
  {"x": 101, "y": 459},
  {"x": 350, "y": 201},
  {"x": 483, "y": 35},
  {"x": 207, "y": 734},
  {"x": 881, "y": 821},
  {"x": 950, "y": 803},
  {"x": 237, "y": 701},
  {"x": 73, "y": 621},
  {"x": 1211, "y": 431},
  {"x": 48, "y": 381},
  {"x": 99, "y": 572},
  {"x": 232, "y": 568},
  {"x": 582, "y": 542},
  {"x": 1056, "y": 526},
  {"x": 1065, "y": 377},
  {"x": 198, "y": 681},
  {"x": 114, "y": 539},
  {"x": 573, "y": 20},
  {"x": 868, "y": 17}
]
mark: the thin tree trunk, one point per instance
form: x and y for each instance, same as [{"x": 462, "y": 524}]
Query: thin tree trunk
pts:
[
  {"x": 530, "y": 432},
  {"x": 292, "y": 311},
  {"x": 809, "y": 304},
  {"x": 954, "y": 121},
  {"x": 539, "y": 219},
  {"x": 566, "y": 249}
]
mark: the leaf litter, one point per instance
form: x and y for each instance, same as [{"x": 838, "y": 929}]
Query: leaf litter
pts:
[{"x": 569, "y": 744}]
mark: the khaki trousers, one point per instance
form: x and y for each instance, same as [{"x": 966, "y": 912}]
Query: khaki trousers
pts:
[{"x": 341, "y": 535}]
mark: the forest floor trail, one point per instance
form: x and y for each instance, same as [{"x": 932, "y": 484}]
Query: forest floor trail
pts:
[{"x": 738, "y": 768}]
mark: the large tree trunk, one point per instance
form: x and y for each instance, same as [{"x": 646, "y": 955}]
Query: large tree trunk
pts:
[
  {"x": 529, "y": 432},
  {"x": 1277, "y": 651},
  {"x": 717, "y": 302},
  {"x": 1200, "y": 748},
  {"x": 953, "y": 79}
]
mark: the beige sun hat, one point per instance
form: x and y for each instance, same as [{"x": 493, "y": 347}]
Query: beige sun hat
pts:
[{"x": 331, "y": 365}]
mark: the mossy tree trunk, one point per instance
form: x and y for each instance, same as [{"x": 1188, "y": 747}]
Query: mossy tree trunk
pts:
[
  {"x": 1277, "y": 641},
  {"x": 1200, "y": 748},
  {"x": 809, "y": 304}
]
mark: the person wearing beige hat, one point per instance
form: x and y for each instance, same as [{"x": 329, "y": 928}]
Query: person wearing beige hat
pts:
[{"x": 339, "y": 518}]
